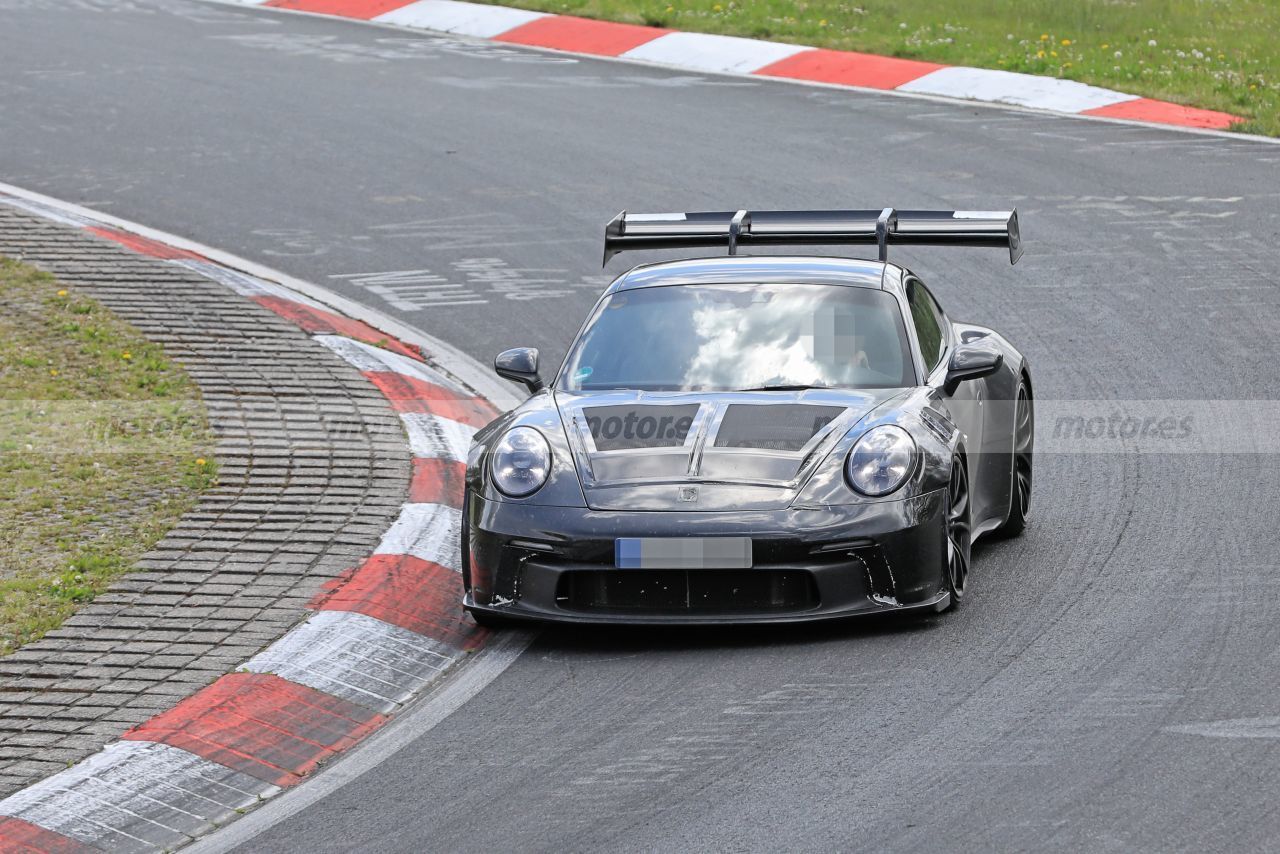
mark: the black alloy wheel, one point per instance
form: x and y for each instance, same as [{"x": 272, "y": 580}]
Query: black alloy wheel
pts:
[
  {"x": 959, "y": 531},
  {"x": 1023, "y": 447}
]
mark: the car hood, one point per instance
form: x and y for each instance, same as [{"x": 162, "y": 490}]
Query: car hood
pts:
[{"x": 691, "y": 451}]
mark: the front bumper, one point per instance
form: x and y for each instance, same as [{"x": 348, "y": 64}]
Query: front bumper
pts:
[{"x": 556, "y": 564}]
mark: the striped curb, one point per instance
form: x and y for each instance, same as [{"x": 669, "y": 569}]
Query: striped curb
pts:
[
  {"x": 734, "y": 55},
  {"x": 379, "y": 634}
]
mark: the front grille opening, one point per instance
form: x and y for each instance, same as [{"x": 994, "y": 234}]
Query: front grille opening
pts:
[{"x": 687, "y": 591}]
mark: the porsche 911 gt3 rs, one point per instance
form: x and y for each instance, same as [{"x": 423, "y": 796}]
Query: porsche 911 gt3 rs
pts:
[{"x": 754, "y": 438}]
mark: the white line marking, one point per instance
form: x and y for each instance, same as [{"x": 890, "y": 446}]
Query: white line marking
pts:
[
  {"x": 413, "y": 290},
  {"x": 415, "y": 723}
]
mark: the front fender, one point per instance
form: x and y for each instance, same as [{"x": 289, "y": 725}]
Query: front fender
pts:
[
  {"x": 936, "y": 438},
  {"x": 562, "y": 488}
]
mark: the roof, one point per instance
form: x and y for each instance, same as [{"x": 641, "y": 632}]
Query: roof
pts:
[{"x": 756, "y": 269}]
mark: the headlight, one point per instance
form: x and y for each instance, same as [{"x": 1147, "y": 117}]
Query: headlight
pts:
[
  {"x": 521, "y": 462},
  {"x": 881, "y": 461}
]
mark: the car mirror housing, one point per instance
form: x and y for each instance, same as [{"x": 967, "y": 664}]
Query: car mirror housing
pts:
[
  {"x": 971, "y": 362},
  {"x": 519, "y": 364}
]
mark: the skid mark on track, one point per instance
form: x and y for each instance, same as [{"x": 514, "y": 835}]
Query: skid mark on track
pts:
[
  {"x": 1234, "y": 728},
  {"x": 670, "y": 761},
  {"x": 806, "y": 698},
  {"x": 700, "y": 754}
]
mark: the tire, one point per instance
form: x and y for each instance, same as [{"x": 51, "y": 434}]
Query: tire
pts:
[
  {"x": 1024, "y": 426},
  {"x": 957, "y": 532}
]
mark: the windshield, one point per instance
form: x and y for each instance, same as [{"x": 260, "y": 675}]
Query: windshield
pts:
[{"x": 738, "y": 337}]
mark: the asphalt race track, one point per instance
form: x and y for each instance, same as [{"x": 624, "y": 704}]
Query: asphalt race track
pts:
[{"x": 1110, "y": 682}]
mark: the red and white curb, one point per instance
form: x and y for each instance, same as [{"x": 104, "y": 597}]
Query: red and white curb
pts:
[
  {"x": 733, "y": 55},
  {"x": 380, "y": 633}
]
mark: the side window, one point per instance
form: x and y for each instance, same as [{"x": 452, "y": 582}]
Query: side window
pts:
[{"x": 928, "y": 320}]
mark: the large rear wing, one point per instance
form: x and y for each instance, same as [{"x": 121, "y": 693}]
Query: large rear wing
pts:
[{"x": 628, "y": 232}]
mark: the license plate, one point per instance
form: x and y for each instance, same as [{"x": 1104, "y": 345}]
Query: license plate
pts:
[{"x": 682, "y": 553}]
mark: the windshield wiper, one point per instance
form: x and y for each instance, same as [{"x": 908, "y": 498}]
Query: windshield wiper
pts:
[{"x": 797, "y": 387}]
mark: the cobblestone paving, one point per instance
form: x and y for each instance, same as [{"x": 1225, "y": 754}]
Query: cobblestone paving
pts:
[{"x": 313, "y": 468}]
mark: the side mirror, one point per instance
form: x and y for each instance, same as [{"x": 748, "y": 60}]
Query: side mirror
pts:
[
  {"x": 519, "y": 364},
  {"x": 971, "y": 362}
]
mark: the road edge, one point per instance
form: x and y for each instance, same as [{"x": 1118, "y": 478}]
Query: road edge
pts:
[
  {"x": 759, "y": 59},
  {"x": 385, "y": 633}
]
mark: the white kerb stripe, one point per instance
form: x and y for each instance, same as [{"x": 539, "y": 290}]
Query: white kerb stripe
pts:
[
  {"x": 426, "y": 531},
  {"x": 137, "y": 796},
  {"x": 367, "y": 357},
  {"x": 468, "y": 19},
  {"x": 433, "y": 437},
  {"x": 357, "y": 657},
  {"x": 713, "y": 53},
  {"x": 1007, "y": 87},
  {"x": 33, "y": 207},
  {"x": 245, "y": 284}
]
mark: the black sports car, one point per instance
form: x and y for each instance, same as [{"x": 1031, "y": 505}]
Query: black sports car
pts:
[{"x": 754, "y": 439}]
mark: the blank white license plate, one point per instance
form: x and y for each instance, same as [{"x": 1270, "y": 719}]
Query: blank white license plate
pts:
[{"x": 682, "y": 553}]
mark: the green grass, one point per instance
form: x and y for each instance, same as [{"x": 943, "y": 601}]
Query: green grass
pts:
[
  {"x": 1217, "y": 54},
  {"x": 104, "y": 444}
]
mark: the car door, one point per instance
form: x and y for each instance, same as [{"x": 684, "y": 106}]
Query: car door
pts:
[
  {"x": 969, "y": 407},
  {"x": 936, "y": 340}
]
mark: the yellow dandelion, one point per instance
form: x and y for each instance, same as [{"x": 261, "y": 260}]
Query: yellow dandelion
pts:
[
  {"x": 1040, "y": 54},
  {"x": 823, "y": 22},
  {"x": 1044, "y": 37},
  {"x": 62, "y": 293},
  {"x": 200, "y": 461},
  {"x": 1105, "y": 46},
  {"x": 126, "y": 355},
  {"x": 1066, "y": 42},
  {"x": 53, "y": 372},
  {"x": 717, "y": 8},
  {"x": 1053, "y": 53}
]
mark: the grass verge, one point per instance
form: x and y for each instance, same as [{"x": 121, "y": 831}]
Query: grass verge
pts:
[
  {"x": 104, "y": 444},
  {"x": 1215, "y": 54}
]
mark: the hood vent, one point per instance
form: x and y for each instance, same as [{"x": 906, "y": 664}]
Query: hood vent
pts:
[
  {"x": 785, "y": 427},
  {"x": 636, "y": 450},
  {"x": 630, "y": 427}
]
